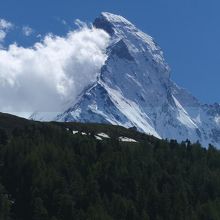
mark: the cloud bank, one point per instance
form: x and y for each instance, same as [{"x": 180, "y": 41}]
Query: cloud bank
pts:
[{"x": 52, "y": 72}]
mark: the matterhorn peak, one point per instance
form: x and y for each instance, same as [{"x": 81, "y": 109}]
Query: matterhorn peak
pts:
[
  {"x": 113, "y": 18},
  {"x": 139, "y": 44},
  {"x": 110, "y": 22},
  {"x": 134, "y": 88}
]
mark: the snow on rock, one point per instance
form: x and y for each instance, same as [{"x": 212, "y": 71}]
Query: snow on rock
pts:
[
  {"x": 126, "y": 139},
  {"x": 103, "y": 135},
  {"x": 98, "y": 138}
]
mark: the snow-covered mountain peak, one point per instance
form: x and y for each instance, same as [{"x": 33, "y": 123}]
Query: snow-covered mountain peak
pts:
[
  {"x": 130, "y": 43},
  {"x": 133, "y": 88},
  {"x": 115, "y": 19},
  {"x": 119, "y": 27},
  {"x": 111, "y": 22}
]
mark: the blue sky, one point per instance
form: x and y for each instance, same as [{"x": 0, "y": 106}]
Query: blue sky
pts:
[{"x": 188, "y": 31}]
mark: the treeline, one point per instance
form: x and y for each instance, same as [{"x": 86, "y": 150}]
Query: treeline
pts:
[{"x": 47, "y": 173}]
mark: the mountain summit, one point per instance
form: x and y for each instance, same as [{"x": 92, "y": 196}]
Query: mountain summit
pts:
[{"x": 134, "y": 89}]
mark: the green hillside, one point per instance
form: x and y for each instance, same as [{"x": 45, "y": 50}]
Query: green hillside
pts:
[{"x": 49, "y": 173}]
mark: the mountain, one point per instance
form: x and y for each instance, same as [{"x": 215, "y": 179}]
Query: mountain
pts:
[{"x": 134, "y": 89}]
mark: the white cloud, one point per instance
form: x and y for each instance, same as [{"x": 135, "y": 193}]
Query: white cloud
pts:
[
  {"x": 2, "y": 35},
  {"x": 52, "y": 72},
  {"x": 27, "y": 31},
  {"x": 64, "y": 22},
  {"x": 5, "y": 25},
  {"x": 80, "y": 23}
]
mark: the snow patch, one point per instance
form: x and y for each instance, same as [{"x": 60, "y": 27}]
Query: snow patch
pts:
[
  {"x": 98, "y": 138},
  {"x": 103, "y": 135},
  {"x": 126, "y": 139}
]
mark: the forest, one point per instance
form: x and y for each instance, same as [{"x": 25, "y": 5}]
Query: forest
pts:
[{"x": 49, "y": 173}]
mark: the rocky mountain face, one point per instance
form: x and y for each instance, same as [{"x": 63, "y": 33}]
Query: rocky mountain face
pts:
[{"x": 134, "y": 89}]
